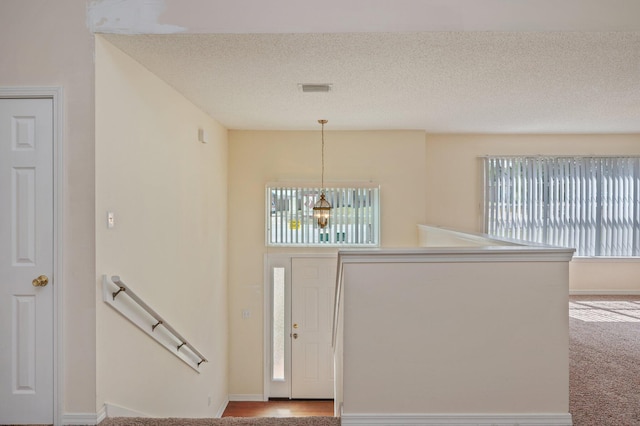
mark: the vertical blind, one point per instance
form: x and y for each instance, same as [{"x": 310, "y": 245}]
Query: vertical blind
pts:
[
  {"x": 591, "y": 204},
  {"x": 354, "y": 216}
]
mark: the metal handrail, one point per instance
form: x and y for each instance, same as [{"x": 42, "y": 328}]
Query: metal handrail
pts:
[{"x": 122, "y": 287}]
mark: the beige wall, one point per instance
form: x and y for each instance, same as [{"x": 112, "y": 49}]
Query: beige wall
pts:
[
  {"x": 442, "y": 188},
  {"x": 454, "y": 159},
  {"x": 169, "y": 195},
  {"x": 392, "y": 159},
  {"x": 44, "y": 43}
]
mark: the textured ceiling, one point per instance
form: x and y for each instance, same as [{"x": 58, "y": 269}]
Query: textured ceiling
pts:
[{"x": 485, "y": 82}]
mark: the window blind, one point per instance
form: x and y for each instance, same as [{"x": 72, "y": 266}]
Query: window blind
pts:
[
  {"x": 591, "y": 204},
  {"x": 354, "y": 217}
]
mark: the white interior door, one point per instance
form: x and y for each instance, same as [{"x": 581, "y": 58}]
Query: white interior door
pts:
[
  {"x": 26, "y": 253},
  {"x": 312, "y": 298}
]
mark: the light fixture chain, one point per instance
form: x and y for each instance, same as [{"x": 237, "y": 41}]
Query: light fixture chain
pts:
[{"x": 322, "y": 157}]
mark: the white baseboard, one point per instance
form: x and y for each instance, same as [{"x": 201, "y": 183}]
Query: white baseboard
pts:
[
  {"x": 246, "y": 397},
  {"x": 80, "y": 419},
  {"x": 458, "y": 419},
  {"x": 113, "y": 410},
  {"x": 604, "y": 292},
  {"x": 222, "y": 407},
  {"x": 102, "y": 414}
]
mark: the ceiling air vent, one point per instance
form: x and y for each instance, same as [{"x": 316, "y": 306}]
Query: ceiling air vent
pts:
[{"x": 315, "y": 88}]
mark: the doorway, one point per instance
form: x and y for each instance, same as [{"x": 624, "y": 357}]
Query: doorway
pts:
[
  {"x": 29, "y": 255},
  {"x": 299, "y": 299}
]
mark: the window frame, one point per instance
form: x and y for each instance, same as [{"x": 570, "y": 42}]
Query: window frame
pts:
[
  {"x": 605, "y": 173},
  {"x": 375, "y": 205}
]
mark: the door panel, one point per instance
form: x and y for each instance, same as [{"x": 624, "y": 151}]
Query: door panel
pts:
[
  {"x": 23, "y": 186},
  {"x": 26, "y": 252},
  {"x": 312, "y": 299}
]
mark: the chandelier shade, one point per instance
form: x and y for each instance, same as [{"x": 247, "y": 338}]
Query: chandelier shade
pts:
[{"x": 322, "y": 211}]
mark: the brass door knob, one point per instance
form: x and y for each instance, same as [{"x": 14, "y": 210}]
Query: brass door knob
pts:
[{"x": 41, "y": 281}]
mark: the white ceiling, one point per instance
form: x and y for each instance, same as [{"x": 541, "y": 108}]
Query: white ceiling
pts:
[{"x": 518, "y": 71}]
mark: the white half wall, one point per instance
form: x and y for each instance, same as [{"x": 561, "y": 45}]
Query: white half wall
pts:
[{"x": 437, "y": 332}]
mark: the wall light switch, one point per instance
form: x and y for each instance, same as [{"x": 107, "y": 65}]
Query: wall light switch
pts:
[
  {"x": 111, "y": 220},
  {"x": 246, "y": 314}
]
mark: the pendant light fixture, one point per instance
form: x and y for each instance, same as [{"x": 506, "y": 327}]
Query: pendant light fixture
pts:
[{"x": 322, "y": 208}]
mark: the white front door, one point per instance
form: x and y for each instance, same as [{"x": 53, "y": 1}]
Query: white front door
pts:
[
  {"x": 312, "y": 298},
  {"x": 26, "y": 253}
]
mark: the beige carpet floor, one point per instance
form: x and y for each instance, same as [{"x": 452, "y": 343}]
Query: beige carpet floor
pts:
[{"x": 604, "y": 352}]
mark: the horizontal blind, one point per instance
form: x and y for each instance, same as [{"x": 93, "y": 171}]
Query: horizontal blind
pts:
[
  {"x": 591, "y": 204},
  {"x": 354, "y": 219}
]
